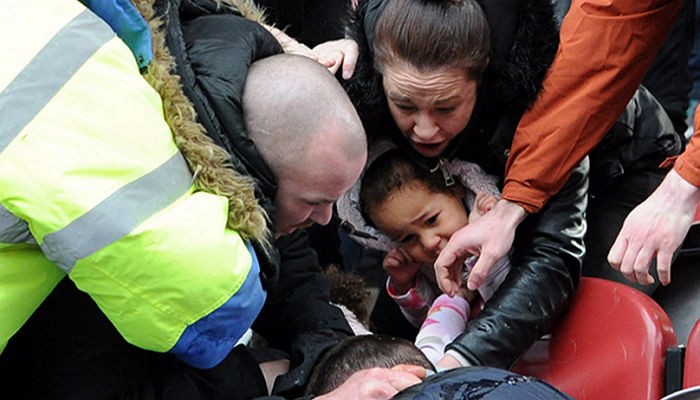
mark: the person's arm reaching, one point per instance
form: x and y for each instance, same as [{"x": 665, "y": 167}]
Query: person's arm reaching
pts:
[
  {"x": 545, "y": 268},
  {"x": 586, "y": 89},
  {"x": 657, "y": 227},
  {"x": 489, "y": 237},
  {"x": 604, "y": 51}
]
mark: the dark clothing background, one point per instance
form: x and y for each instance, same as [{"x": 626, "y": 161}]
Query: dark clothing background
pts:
[
  {"x": 607, "y": 210},
  {"x": 308, "y": 21}
]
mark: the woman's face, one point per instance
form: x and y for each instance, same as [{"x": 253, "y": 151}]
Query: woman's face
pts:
[{"x": 431, "y": 107}]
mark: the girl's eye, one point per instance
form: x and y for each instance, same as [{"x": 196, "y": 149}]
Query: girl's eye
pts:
[
  {"x": 407, "y": 239},
  {"x": 446, "y": 110},
  {"x": 432, "y": 220}
]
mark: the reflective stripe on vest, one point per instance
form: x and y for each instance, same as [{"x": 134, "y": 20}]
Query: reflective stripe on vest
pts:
[
  {"x": 127, "y": 207},
  {"x": 25, "y": 97},
  {"x": 13, "y": 229},
  {"x": 89, "y": 163},
  {"x": 119, "y": 214}
]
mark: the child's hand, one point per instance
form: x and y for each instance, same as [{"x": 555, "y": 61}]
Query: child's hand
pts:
[
  {"x": 402, "y": 270},
  {"x": 483, "y": 203}
]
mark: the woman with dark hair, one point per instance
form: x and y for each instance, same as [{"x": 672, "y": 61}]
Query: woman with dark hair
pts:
[{"x": 451, "y": 79}]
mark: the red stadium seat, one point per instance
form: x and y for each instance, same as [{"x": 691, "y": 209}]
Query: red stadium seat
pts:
[
  {"x": 610, "y": 344},
  {"x": 691, "y": 365}
]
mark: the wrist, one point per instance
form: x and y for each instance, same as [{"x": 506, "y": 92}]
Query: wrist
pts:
[
  {"x": 510, "y": 213},
  {"x": 675, "y": 188},
  {"x": 401, "y": 288}
]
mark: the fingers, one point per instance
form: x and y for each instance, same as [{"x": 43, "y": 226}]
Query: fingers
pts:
[
  {"x": 632, "y": 260},
  {"x": 333, "y": 61},
  {"x": 391, "y": 261},
  {"x": 617, "y": 251},
  {"x": 642, "y": 263},
  {"x": 443, "y": 265},
  {"x": 416, "y": 370},
  {"x": 352, "y": 52},
  {"x": 627, "y": 261},
  {"x": 400, "y": 380},
  {"x": 336, "y": 54},
  {"x": 485, "y": 202},
  {"x": 663, "y": 266},
  {"x": 480, "y": 272}
]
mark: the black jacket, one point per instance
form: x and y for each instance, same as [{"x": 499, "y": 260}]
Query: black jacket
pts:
[
  {"x": 641, "y": 138},
  {"x": 297, "y": 316},
  {"x": 549, "y": 244}
]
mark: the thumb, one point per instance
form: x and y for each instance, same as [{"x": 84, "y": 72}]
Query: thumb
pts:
[
  {"x": 443, "y": 272},
  {"x": 478, "y": 274},
  {"x": 416, "y": 370}
]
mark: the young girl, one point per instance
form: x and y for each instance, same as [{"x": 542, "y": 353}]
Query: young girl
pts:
[{"x": 412, "y": 214}]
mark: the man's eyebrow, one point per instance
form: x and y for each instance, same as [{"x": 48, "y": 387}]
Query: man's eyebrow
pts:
[
  {"x": 398, "y": 97},
  {"x": 447, "y": 100}
]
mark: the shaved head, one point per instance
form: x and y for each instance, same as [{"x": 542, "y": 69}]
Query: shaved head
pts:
[
  {"x": 290, "y": 104},
  {"x": 309, "y": 134}
]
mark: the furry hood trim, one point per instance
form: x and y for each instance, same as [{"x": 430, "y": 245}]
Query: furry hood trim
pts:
[{"x": 208, "y": 162}]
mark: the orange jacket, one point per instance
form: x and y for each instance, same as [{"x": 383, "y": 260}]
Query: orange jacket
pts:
[
  {"x": 606, "y": 48},
  {"x": 688, "y": 164}
]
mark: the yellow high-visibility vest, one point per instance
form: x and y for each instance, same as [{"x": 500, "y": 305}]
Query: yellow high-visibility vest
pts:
[{"x": 92, "y": 186}]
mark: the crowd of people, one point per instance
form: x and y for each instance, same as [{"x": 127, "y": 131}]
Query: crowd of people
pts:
[{"x": 163, "y": 163}]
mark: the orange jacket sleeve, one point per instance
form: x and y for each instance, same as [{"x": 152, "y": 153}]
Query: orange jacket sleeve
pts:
[
  {"x": 606, "y": 48},
  {"x": 688, "y": 164}
]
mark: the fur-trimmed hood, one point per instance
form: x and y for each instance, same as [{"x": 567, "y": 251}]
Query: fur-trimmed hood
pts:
[
  {"x": 209, "y": 162},
  {"x": 524, "y": 40}
]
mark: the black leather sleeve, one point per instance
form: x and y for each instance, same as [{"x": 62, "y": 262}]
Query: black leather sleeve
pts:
[{"x": 544, "y": 275}]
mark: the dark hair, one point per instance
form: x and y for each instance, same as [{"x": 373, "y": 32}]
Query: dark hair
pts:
[
  {"x": 390, "y": 172},
  {"x": 432, "y": 34},
  {"x": 361, "y": 352},
  {"x": 348, "y": 289}
]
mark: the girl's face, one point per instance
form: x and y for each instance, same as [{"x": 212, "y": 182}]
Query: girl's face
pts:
[
  {"x": 431, "y": 107},
  {"x": 420, "y": 220}
]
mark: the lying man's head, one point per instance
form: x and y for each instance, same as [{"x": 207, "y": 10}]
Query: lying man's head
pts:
[
  {"x": 309, "y": 134},
  {"x": 361, "y": 352}
]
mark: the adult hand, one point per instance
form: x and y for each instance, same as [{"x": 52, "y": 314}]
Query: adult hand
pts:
[
  {"x": 448, "y": 362},
  {"x": 655, "y": 228},
  {"x": 291, "y": 45},
  {"x": 489, "y": 237},
  {"x": 402, "y": 270},
  {"x": 377, "y": 383},
  {"x": 338, "y": 53}
]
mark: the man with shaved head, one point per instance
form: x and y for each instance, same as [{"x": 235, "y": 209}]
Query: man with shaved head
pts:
[
  {"x": 308, "y": 133},
  {"x": 263, "y": 144}
]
